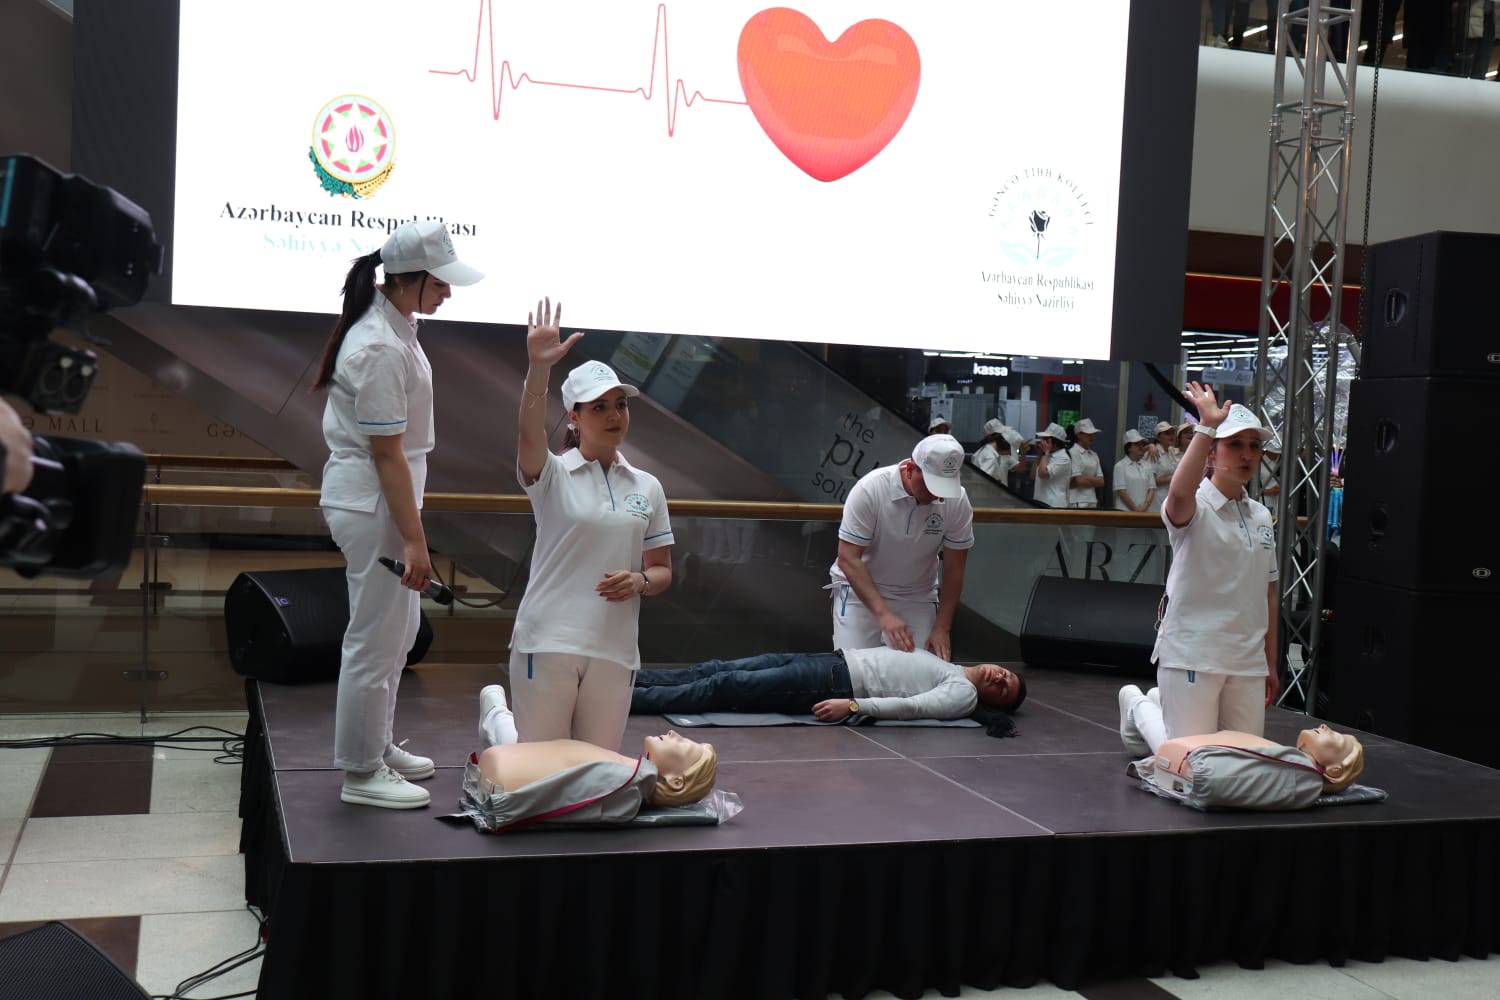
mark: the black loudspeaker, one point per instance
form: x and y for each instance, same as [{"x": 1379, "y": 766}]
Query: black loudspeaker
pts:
[
  {"x": 1418, "y": 667},
  {"x": 1428, "y": 308},
  {"x": 1093, "y": 623},
  {"x": 1410, "y": 481},
  {"x": 55, "y": 962},
  {"x": 287, "y": 626}
]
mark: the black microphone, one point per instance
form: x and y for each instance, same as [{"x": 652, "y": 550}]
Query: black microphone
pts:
[{"x": 437, "y": 591}]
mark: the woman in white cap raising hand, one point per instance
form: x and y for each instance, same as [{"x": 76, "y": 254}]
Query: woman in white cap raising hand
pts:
[
  {"x": 603, "y": 542},
  {"x": 1216, "y": 652},
  {"x": 378, "y": 425}
]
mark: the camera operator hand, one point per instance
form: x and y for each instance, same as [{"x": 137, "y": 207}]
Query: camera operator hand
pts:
[{"x": 15, "y": 450}]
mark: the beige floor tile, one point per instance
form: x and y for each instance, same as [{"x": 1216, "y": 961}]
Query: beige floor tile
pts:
[
  {"x": 177, "y": 945},
  {"x": 195, "y": 784},
  {"x": 19, "y": 776},
  {"x": 1227, "y": 981},
  {"x": 24, "y": 727},
  {"x": 1404, "y": 979},
  {"x": 122, "y": 888},
  {"x": 104, "y": 838}
]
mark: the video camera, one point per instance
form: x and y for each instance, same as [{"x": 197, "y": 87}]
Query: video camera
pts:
[{"x": 68, "y": 249}]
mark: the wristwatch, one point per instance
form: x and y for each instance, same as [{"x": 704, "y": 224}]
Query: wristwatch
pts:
[{"x": 853, "y": 707}]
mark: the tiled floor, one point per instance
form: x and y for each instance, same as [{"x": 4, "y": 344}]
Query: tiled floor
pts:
[{"x": 137, "y": 848}]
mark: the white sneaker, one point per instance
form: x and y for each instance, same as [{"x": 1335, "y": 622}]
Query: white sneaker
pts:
[
  {"x": 491, "y": 698},
  {"x": 407, "y": 764},
  {"x": 384, "y": 788},
  {"x": 1129, "y": 734},
  {"x": 1220, "y": 42},
  {"x": 1155, "y": 695}
]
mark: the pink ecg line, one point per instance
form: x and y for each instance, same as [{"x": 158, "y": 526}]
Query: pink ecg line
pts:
[{"x": 505, "y": 74}]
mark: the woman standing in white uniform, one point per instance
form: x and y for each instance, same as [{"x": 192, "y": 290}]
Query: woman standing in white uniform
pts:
[
  {"x": 1216, "y": 653},
  {"x": 1134, "y": 478},
  {"x": 603, "y": 541},
  {"x": 378, "y": 425}
]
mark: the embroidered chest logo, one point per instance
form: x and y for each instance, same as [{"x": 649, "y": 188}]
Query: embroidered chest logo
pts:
[
  {"x": 934, "y": 524},
  {"x": 637, "y": 504},
  {"x": 1267, "y": 537}
]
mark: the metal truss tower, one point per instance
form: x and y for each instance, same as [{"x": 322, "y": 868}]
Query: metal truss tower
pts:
[{"x": 1302, "y": 274}]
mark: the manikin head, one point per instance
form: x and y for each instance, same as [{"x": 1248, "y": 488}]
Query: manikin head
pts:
[
  {"x": 998, "y": 687},
  {"x": 685, "y": 769},
  {"x": 1339, "y": 756}
]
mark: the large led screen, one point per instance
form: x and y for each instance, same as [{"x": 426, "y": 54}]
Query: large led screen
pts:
[{"x": 945, "y": 173}]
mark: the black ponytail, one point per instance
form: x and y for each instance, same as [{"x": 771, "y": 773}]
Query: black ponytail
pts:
[{"x": 359, "y": 292}]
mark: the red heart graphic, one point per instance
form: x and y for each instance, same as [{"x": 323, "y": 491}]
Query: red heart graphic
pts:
[{"x": 828, "y": 106}]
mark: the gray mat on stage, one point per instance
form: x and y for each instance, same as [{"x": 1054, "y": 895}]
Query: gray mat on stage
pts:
[{"x": 701, "y": 719}]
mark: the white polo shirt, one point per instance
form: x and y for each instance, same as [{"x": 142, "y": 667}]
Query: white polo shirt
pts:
[
  {"x": 587, "y": 524},
  {"x": 901, "y": 538},
  {"x": 1166, "y": 464},
  {"x": 1222, "y": 561},
  {"x": 1136, "y": 478},
  {"x": 1085, "y": 463},
  {"x": 382, "y": 384},
  {"x": 1053, "y": 490}
]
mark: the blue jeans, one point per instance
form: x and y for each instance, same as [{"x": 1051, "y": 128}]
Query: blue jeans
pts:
[{"x": 771, "y": 682}]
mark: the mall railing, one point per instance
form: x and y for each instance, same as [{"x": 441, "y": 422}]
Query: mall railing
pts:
[{"x": 748, "y": 578}]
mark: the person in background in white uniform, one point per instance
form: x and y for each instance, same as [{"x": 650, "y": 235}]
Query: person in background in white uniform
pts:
[
  {"x": 1087, "y": 474},
  {"x": 897, "y": 521},
  {"x": 1053, "y": 467},
  {"x": 1164, "y": 455},
  {"x": 939, "y": 425},
  {"x": 379, "y": 429},
  {"x": 1270, "y": 469},
  {"x": 603, "y": 542},
  {"x": 987, "y": 455},
  {"x": 1216, "y": 653},
  {"x": 1134, "y": 477}
]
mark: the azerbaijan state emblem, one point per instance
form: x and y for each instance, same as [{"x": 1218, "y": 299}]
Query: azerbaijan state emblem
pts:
[{"x": 353, "y": 146}]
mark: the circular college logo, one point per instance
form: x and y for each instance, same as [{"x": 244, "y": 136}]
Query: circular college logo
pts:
[
  {"x": 1042, "y": 217},
  {"x": 353, "y": 146},
  {"x": 637, "y": 503}
]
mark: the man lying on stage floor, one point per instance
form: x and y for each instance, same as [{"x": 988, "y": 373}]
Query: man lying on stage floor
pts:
[
  {"x": 1229, "y": 769},
  {"x": 879, "y": 683}
]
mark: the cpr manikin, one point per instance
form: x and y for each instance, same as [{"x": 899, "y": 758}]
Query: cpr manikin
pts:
[
  {"x": 1323, "y": 760},
  {"x": 511, "y": 784}
]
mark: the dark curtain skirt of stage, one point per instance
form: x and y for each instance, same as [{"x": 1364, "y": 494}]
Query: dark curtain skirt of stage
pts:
[{"x": 818, "y": 921}]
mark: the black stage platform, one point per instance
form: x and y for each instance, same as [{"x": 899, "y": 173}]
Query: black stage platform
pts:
[{"x": 866, "y": 858}]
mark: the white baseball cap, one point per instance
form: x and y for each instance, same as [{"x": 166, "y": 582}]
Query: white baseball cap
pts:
[
  {"x": 1242, "y": 418},
  {"x": 589, "y": 381},
  {"x": 1085, "y": 426},
  {"x": 426, "y": 246},
  {"x": 994, "y": 425},
  {"x": 940, "y": 457},
  {"x": 938, "y": 422},
  {"x": 1162, "y": 427},
  {"x": 1133, "y": 436},
  {"x": 1053, "y": 431},
  {"x": 1014, "y": 437}
]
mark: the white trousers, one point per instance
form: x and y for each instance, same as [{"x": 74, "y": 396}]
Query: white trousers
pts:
[
  {"x": 1194, "y": 703},
  {"x": 383, "y": 620},
  {"x": 559, "y": 696},
  {"x": 856, "y": 627}
]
